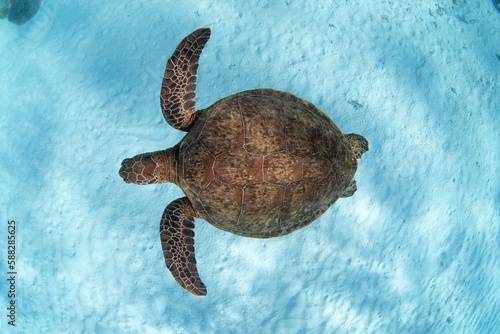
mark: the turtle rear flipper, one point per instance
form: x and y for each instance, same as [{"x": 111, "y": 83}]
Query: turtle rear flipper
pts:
[
  {"x": 179, "y": 82},
  {"x": 358, "y": 144},
  {"x": 350, "y": 190},
  {"x": 177, "y": 241}
]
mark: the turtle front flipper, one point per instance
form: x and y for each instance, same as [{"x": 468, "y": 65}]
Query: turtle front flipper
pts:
[
  {"x": 177, "y": 241},
  {"x": 179, "y": 82}
]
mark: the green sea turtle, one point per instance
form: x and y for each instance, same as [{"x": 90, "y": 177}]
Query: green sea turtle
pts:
[{"x": 260, "y": 163}]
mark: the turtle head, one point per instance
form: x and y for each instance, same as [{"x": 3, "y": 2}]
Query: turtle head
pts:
[{"x": 152, "y": 167}]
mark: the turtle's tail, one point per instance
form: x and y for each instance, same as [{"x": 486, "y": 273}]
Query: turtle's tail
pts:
[{"x": 152, "y": 167}]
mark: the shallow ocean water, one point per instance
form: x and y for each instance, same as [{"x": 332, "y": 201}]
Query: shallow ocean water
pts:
[{"x": 415, "y": 250}]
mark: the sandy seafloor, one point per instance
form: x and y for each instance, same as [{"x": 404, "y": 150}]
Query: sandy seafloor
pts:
[{"x": 415, "y": 250}]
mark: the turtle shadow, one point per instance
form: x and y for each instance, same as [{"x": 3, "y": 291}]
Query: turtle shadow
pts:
[
  {"x": 19, "y": 11},
  {"x": 496, "y": 4}
]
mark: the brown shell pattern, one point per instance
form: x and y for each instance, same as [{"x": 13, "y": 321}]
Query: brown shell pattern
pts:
[{"x": 263, "y": 163}]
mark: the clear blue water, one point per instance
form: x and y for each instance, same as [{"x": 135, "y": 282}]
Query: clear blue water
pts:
[{"x": 415, "y": 250}]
